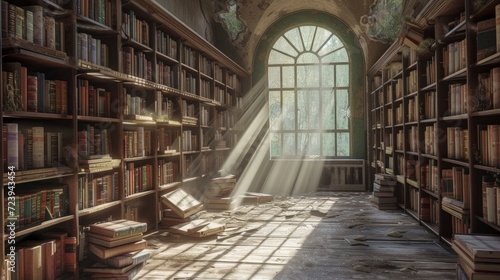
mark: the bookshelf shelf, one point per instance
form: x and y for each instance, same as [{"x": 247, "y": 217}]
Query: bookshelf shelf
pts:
[
  {"x": 42, "y": 225},
  {"x": 98, "y": 208},
  {"x": 138, "y": 195}
]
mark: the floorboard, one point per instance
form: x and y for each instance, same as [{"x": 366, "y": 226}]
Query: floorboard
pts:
[{"x": 318, "y": 236}]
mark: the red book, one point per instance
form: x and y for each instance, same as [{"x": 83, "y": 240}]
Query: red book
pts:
[{"x": 32, "y": 94}]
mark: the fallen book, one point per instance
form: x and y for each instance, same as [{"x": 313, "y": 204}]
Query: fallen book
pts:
[
  {"x": 182, "y": 203},
  {"x": 211, "y": 229},
  {"x": 104, "y": 252},
  {"x": 118, "y": 228},
  {"x": 188, "y": 227},
  {"x": 263, "y": 197}
]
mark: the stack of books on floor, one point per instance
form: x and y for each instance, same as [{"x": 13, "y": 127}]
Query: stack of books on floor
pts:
[
  {"x": 120, "y": 248},
  {"x": 220, "y": 194},
  {"x": 183, "y": 215},
  {"x": 478, "y": 256},
  {"x": 383, "y": 192}
]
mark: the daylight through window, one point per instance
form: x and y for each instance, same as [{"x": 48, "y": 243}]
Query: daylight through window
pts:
[{"x": 309, "y": 84}]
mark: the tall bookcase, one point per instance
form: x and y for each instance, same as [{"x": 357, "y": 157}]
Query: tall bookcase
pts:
[
  {"x": 433, "y": 113},
  {"x": 115, "y": 104}
]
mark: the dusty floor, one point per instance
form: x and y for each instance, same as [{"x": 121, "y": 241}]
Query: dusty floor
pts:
[{"x": 318, "y": 236}]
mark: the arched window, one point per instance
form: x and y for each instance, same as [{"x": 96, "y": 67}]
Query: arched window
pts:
[{"x": 309, "y": 84}]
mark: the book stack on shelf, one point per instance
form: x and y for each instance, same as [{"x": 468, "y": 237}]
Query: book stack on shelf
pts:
[
  {"x": 182, "y": 215},
  {"x": 478, "y": 256},
  {"x": 119, "y": 247},
  {"x": 383, "y": 192}
]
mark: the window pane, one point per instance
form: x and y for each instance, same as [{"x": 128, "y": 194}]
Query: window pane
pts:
[
  {"x": 274, "y": 110},
  {"x": 308, "y": 144},
  {"x": 321, "y": 36},
  {"x": 273, "y": 77},
  {"x": 288, "y": 77},
  {"x": 333, "y": 43},
  {"x": 343, "y": 144},
  {"x": 337, "y": 56},
  {"x": 302, "y": 109},
  {"x": 314, "y": 108},
  {"x": 342, "y": 76},
  {"x": 279, "y": 58},
  {"x": 329, "y": 144},
  {"x": 288, "y": 144},
  {"x": 275, "y": 144},
  {"x": 307, "y": 35},
  {"x": 294, "y": 37},
  {"x": 328, "y": 109},
  {"x": 308, "y": 76},
  {"x": 327, "y": 76},
  {"x": 308, "y": 58},
  {"x": 342, "y": 109},
  {"x": 288, "y": 110},
  {"x": 284, "y": 46},
  {"x": 308, "y": 107}
]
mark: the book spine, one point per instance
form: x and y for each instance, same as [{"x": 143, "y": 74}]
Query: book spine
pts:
[
  {"x": 38, "y": 147},
  {"x": 12, "y": 144}
]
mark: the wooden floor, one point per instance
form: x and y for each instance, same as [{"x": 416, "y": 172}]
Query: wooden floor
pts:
[{"x": 321, "y": 236}]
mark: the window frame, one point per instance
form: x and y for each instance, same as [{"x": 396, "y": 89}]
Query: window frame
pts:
[{"x": 320, "y": 90}]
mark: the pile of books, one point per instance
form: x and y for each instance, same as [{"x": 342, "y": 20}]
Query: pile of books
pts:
[
  {"x": 120, "y": 248},
  {"x": 478, "y": 256},
  {"x": 383, "y": 192},
  {"x": 220, "y": 194},
  {"x": 183, "y": 215}
]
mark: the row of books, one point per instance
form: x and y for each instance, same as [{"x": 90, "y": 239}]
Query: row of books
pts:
[
  {"x": 45, "y": 256},
  {"x": 166, "y": 44},
  {"x": 413, "y": 139},
  {"x": 101, "y": 11},
  {"x": 457, "y": 142},
  {"x": 189, "y": 141},
  {"x": 92, "y": 49},
  {"x": 489, "y": 90},
  {"x": 30, "y": 91},
  {"x": 138, "y": 178},
  {"x": 429, "y": 105},
  {"x": 206, "y": 66},
  {"x": 430, "y": 146},
  {"x": 428, "y": 176},
  {"x": 37, "y": 203},
  {"x": 412, "y": 82},
  {"x": 457, "y": 99},
  {"x": 412, "y": 112},
  {"x": 137, "y": 64},
  {"x": 454, "y": 57},
  {"x": 430, "y": 71},
  {"x": 118, "y": 249},
  {"x": 168, "y": 172},
  {"x": 31, "y": 24},
  {"x": 135, "y": 28},
  {"x": 206, "y": 88},
  {"x": 189, "y": 56},
  {"x": 489, "y": 144},
  {"x": 429, "y": 210},
  {"x": 94, "y": 190},
  {"x": 189, "y": 82},
  {"x": 167, "y": 140},
  {"x": 93, "y": 141},
  {"x": 137, "y": 142},
  {"x": 32, "y": 147},
  {"x": 165, "y": 74},
  {"x": 490, "y": 200},
  {"x": 455, "y": 185},
  {"x": 94, "y": 101},
  {"x": 187, "y": 109}
]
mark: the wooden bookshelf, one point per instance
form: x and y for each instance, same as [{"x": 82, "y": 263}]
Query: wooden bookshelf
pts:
[
  {"x": 450, "y": 83},
  {"x": 117, "y": 107}
]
